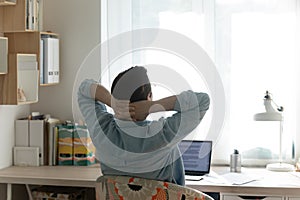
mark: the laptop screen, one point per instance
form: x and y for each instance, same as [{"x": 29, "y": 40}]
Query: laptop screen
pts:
[{"x": 196, "y": 156}]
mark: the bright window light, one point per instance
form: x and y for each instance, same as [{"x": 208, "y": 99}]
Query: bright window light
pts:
[{"x": 254, "y": 46}]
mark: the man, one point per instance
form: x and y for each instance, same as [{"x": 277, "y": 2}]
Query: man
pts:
[{"x": 128, "y": 144}]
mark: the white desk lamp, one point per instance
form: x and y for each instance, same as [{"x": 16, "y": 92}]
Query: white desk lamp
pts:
[{"x": 274, "y": 115}]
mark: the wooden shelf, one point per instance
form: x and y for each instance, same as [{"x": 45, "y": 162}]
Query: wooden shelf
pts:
[
  {"x": 48, "y": 84},
  {"x": 24, "y": 42},
  {"x": 15, "y": 19},
  {"x": 76, "y": 176},
  {"x": 26, "y": 102},
  {"x": 28, "y": 80},
  {"x": 49, "y": 33},
  {"x": 7, "y": 3}
]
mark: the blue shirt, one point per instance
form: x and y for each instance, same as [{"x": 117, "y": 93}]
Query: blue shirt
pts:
[{"x": 146, "y": 149}]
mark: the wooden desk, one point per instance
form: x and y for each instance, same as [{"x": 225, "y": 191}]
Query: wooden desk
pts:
[
  {"x": 279, "y": 184},
  {"x": 79, "y": 176},
  {"x": 75, "y": 176},
  {"x": 284, "y": 185}
]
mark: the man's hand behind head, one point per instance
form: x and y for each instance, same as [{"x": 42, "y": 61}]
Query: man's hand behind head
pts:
[
  {"x": 141, "y": 109},
  {"x": 122, "y": 109}
]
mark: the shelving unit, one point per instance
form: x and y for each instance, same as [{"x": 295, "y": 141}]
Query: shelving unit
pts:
[
  {"x": 24, "y": 37},
  {"x": 26, "y": 42}
]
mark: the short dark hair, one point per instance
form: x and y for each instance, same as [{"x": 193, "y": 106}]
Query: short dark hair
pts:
[{"x": 132, "y": 84}]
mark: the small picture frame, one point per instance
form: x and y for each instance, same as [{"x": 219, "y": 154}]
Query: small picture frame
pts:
[{"x": 26, "y": 156}]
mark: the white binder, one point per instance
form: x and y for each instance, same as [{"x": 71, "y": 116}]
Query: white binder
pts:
[
  {"x": 22, "y": 133},
  {"x": 51, "y": 60},
  {"x": 56, "y": 60},
  {"x": 36, "y": 137},
  {"x": 42, "y": 61}
]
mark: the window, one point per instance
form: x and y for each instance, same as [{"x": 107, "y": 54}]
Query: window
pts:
[
  {"x": 254, "y": 45},
  {"x": 256, "y": 51}
]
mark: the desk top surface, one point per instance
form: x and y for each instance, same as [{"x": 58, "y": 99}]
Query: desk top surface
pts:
[
  {"x": 85, "y": 176},
  {"x": 249, "y": 181},
  {"x": 52, "y": 175}
]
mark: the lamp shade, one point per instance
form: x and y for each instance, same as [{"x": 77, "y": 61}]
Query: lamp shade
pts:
[
  {"x": 268, "y": 116},
  {"x": 271, "y": 114}
]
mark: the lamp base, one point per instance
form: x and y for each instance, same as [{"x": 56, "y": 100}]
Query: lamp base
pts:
[{"x": 280, "y": 167}]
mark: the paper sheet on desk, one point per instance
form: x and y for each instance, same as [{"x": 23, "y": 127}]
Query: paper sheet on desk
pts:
[
  {"x": 239, "y": 178},
  {"x": 297, "y": 174},
  {"x": 214, "y": 178}
]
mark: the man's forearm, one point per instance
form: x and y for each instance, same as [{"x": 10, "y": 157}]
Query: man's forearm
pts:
[
  {"x": 101, "y": 94},
  {"x": 187, "y": 100},
  {"x": 165, "y": 104}
]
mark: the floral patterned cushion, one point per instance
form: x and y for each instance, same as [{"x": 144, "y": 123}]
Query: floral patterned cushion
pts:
[{"x": 132, "y": 188}]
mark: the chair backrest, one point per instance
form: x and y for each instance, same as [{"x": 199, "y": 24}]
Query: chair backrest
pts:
[{"x": 132, "y": 188}]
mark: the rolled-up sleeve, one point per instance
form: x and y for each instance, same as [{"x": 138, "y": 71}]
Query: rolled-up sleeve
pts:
[
  {"x": 191, "y": 108},
  {"x": 84, "y": 88},
  {"x": 94, "y": 112},
  {"x": 190, "y": 100}
]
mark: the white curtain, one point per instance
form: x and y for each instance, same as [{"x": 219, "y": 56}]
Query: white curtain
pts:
[
  {"x": 255, "y": 46},
  {"x": 256, "y": 50}
]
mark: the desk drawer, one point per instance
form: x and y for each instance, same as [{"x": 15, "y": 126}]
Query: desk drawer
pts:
[{"x": 250, "y": 197}]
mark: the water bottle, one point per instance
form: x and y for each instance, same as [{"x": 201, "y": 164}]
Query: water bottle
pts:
[{"x": 235, "y": 161}]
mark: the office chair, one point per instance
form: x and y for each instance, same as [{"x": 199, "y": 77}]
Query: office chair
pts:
[{"x": 132, "y": 188}]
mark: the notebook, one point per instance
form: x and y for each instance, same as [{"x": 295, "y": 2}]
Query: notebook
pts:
[{"x": 196, "y": 157}]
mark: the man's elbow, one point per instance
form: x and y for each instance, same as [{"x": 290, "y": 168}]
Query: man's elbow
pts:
[{"x": 204, "y": 103}]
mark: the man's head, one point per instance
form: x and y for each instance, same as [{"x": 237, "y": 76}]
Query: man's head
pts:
[{"x": 132, "y": 84}]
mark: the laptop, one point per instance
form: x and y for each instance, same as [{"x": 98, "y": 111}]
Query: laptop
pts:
[{"x": 196, "y": 157}]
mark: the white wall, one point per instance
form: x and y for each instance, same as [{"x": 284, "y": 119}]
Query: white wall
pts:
[
  {"x": 78, "y": 24},
  {"x": 8, "y": 115}
]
